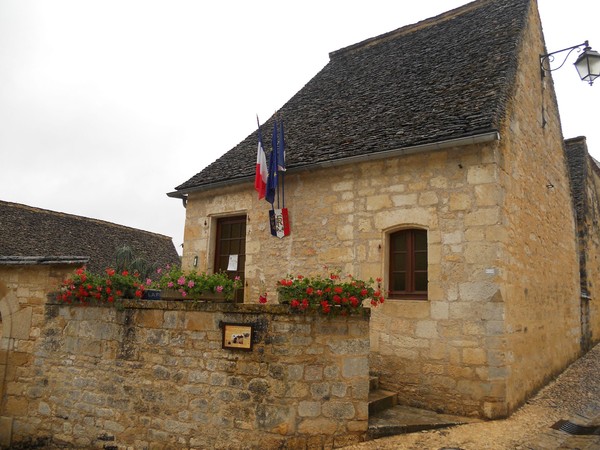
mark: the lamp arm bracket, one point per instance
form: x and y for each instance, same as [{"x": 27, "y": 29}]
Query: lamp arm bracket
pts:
[{"x": 547, "y": 58}]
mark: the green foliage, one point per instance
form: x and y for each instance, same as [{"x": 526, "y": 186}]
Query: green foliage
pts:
[
  {"x": 192, "y": 284},
  {"x": 126, "y": 260}
]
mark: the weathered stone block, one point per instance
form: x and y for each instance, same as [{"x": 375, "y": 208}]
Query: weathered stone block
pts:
[
  {"x": 309, "y": 409},
  {"x": 355, "y": 367},
  {"x": 318, "y": 426}
]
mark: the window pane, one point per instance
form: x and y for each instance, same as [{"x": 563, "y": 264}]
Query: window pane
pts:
[
  {"x": 236, "y": 229},
  {"x": 224, "y": 248},
  {"x": 421, "y": 261},
  {"x": 420, "y": 239},
  {"x": 222, "y": 263},
  {"x": 421, "y": 281},
  {"x": 399, "y": 241},
  {"x": 399, "y": 281},
  {"x": 234, "y": 248},
  {"x": 399, "y": 262},
  {"x": 226, "y": 231}
]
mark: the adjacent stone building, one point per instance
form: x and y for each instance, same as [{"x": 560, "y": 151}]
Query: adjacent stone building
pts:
[
  {"x": 26, "y": 231},
  {"x": 431, "y": 156},
  {"x": 39, "y": 249},
  {"x": 585, "y": 182}
]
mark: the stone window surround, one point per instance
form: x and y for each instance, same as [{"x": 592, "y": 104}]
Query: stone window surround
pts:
[{"x": 387, "y": 246}]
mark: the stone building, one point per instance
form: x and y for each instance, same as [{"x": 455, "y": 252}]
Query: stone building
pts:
[
  {"x": 26, "y": 231},
  {"x": 584, "y": 172},
  {"x": 432, "y": 156},
  {"x": 38, "y": 249}
]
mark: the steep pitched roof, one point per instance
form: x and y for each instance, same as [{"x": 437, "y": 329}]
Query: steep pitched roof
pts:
[
  {"x": 27, "y": 232},
  {"x": 443, "y": 78}
]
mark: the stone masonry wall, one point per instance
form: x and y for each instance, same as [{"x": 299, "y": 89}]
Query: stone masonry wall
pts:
[
  {"x": 153, "y": 375},
  {"x": 23, "y": 292},
  {"x": 585, "y": 178},
  {"x": 435, "y": 353},
  {"x": 540, "y": 278},
  {"x": 592, "y": 253}
]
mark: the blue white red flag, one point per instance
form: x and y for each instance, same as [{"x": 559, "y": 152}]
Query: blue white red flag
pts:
[
  {"x": 260, "y": 180},
  {"x": 272, "y": 179}
]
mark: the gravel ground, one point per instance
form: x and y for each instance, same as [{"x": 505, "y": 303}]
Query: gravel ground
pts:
[{"x": 575, "y": 393}]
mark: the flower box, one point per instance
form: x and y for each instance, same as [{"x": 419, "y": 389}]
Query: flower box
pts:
[
  {"x": 151, "y": 294},
  {"x": 173, "y": 294}
]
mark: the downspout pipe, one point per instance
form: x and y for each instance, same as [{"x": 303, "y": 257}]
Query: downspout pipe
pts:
[{"x": 458, "y": 142}]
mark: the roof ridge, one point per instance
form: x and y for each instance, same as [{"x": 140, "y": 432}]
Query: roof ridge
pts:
[
  {"x": 82, "y": 218},
  {"x": 443, "y": 17}
]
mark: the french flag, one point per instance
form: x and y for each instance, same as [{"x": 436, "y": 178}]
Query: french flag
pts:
[{"x": 260, "y": 180}]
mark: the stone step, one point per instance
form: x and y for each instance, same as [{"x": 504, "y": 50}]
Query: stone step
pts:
[
  {"x": 373, "y": 383},
  {"x": 381, "y": 399},
  {"x": 405, "y": 419}
]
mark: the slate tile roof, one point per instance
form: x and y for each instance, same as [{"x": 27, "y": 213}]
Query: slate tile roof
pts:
[
  {"x": 443, "y": 78},
  {"x": 40, "y": 235}
]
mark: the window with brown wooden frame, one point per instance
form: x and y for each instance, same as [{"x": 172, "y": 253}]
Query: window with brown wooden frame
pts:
[
  {"x": 231, "y": 241},
  {"x": 408, "y": 264}
]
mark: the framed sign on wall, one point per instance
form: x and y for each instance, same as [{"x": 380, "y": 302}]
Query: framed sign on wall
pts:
[{"x": 237, "y": 336}]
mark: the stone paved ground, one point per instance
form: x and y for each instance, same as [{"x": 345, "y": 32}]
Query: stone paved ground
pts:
[{"x": 573, "y": 396}]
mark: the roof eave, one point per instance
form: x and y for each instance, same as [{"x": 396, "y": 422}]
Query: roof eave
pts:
[
  {"x": 481, "y": 138},
  {"x": 42, "y": 260}
]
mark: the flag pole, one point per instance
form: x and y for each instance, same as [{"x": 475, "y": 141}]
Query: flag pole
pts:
[
  {"x": 276, "y": 150},
  {"x": 282, "y": 162}
]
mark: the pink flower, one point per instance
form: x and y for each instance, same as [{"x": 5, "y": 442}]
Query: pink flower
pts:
[
  {"x": 237, "y": 278},
  {"x": 181, "y": 281},
  {"x": 191, "y": 283},
  {"x": 159, "y": 270},
  {"x": 170, "y": 284},
  {"x": 183, "y": 293},
  {"x": 148, "y": 281},
  {"x": 219, "y": 288}
]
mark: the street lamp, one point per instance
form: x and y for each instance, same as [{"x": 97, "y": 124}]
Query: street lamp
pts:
[{"x": 587, "y": 64}]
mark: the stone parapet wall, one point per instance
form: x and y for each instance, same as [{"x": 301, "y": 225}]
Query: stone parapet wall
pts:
[{"x": 154, "y": 375}]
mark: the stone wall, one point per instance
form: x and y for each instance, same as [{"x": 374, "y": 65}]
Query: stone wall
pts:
[
  {"x": 585, "y": 179},
  {"x": 540, "y": 277},
  {"x": 591, "y": 304},
  {"x": 23, "y": 290},
  {"x": 154, "y": 375}
]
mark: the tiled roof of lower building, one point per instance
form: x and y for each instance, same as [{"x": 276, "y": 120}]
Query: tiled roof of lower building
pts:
[{"x": 34, "y": 234}]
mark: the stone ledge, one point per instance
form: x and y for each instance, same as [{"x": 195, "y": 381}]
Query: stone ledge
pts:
[{"x": 199, "y": 305}]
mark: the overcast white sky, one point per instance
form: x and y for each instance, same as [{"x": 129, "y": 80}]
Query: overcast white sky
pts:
[{"x": 107, "y": 105}]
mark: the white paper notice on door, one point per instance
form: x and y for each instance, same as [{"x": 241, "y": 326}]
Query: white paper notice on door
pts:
[{"x": 232, "y": 266}]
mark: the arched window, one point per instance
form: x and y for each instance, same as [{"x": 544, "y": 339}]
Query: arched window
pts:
[{"x": 408, "y": 264}]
